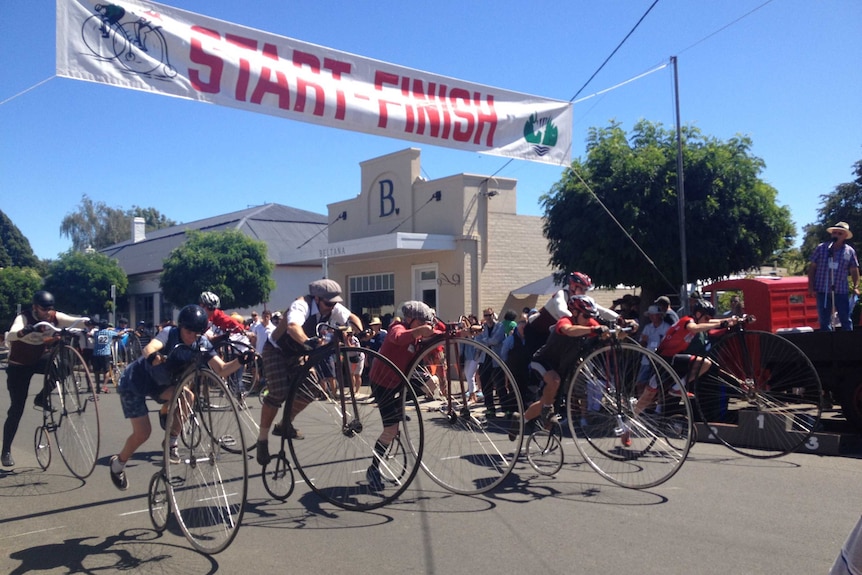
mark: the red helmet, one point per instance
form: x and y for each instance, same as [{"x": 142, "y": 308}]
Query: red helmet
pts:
[
  {"x": 584, "y": 304},
  {"x": 580, "y": 279}
]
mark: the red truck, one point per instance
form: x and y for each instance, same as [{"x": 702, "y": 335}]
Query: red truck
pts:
[{"x": 782, "y": 305}]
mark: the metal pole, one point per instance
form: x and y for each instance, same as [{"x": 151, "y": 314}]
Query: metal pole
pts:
[
  {"x": 680, "y": 186},
  {"x": 113, "y": 304}
]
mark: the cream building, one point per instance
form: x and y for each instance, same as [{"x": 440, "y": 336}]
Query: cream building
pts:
[{"x": 456, "y": 243}]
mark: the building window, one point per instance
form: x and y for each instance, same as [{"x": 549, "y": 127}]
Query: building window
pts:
[
  {"x": 425, "y": 284},
  {"x": 373, "y": 296},
  {"x": 144, "y": 308},
  {"x": 166, "y": 309}
]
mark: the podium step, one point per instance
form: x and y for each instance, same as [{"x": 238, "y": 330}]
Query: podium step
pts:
[{"x": 758, "y": 431}]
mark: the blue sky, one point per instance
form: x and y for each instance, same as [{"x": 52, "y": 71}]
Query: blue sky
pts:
[{"x": 787, "y": 75}]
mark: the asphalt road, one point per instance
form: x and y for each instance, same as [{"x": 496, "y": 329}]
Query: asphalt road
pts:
[{"x": 722, "y": 513}]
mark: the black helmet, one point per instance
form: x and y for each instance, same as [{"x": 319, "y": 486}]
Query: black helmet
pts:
[
  {"x": 584, "y": 304},
  {"x": 43, "y": 298},
  {"x": 193, "y": 318},
  {"x": 704, "y": 307}
]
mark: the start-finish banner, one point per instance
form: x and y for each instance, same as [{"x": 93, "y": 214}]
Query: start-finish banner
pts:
[{"x": 156, "y": 48}]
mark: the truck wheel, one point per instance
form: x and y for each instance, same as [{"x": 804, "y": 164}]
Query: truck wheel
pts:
[{"x": 851, "y": 405}]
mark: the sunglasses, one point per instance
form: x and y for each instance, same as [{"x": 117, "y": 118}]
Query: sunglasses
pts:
[{"x": 327, "y": 303}]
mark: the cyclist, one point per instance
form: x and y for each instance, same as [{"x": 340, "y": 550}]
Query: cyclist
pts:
[
  {"x": 224, "y": 326},
  {"x": 539, "y": 324},
  {"x": 211, "y": 303},
  {"x": 684, "y": 348},
  {"x": 154, "y": 375},
  {"x": 560, "y": 354},
  {"x": 400, "y": 347},
  {"x": 28, "y": 355},
  {"x": 102, "y": 354},
  {"x": 292, "y": 339}
]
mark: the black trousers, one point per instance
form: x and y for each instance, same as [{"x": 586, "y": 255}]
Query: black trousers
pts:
[{"x": 18, "y": 383}]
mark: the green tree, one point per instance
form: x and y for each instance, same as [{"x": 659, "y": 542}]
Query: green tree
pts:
[
  {"x": 844, "y": 204},
  {"x": 16, "y": 288},
  {"x": 227, "y": 263},
  {"x": 81, "y": 282},
  {"x": 732, "y": 220},
  {"x": 97, "y": 225},
  {"x": 15, "y": 249}
]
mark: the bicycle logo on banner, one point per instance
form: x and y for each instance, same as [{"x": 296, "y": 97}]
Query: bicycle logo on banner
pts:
[{"x": 135, "y": 41}]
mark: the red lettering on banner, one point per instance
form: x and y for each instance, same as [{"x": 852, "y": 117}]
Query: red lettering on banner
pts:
[
  {"x": 447, "y": 119},
  {"x": 426, "y": 108},
  {"x": 432, "y": 106},
  {"x": 489, "y": 117},
  {"x": 337, "y": 68},
  {"x": 381, "y": 78},
  {"x": 198, "y": 56},
  {"x": 460, "y": 95},
  {"x": 266, "y": 86},
  {"x": 302, "y": 85},
  {"x": 244, "y": 68}
]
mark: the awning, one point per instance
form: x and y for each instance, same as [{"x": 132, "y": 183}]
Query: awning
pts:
[
  {"x": 544, "y": 286},
  {"x": 389, "y": 245}
]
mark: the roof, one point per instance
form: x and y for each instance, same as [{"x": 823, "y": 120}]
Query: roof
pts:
[
  {"x": 544, "y": 286},
  {"x": 740, "y": 283},
  {"x": 282, "y": 228}
]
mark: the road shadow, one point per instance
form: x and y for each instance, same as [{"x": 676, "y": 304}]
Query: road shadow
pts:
[{"x": 137, "y": 550}]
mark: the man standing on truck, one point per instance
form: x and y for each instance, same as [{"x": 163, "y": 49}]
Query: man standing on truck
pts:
[{"x": 829, "y": 266}]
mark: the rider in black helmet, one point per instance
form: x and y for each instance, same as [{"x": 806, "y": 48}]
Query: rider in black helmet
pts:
[
  {"x": 153, "y": 376},
  {"x": 28, "y": 356}
]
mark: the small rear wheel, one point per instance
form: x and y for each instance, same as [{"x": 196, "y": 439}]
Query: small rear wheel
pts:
[
  {"x": 42, "y": 445},
  {"x": 159, "y": 501},
  {"x": 545, "y": 449},
  {"x": 278, "y": 477}
]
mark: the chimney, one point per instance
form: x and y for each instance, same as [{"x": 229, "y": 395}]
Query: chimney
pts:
[{"x": 138, "y": 230}]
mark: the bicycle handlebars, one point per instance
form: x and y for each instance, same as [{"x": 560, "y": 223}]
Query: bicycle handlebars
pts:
[{"x": 54, "y": 329}]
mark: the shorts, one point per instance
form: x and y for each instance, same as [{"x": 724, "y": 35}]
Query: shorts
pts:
[
  {"x": 389, "y": 403},
  {"x": 101, "y": 363},
  {"x": 541, "y": 367},
  {"x": 683, "y": 364},
  {"x": 356, "y": 362},
  {"x": 279, "y": 368},
  {"x": 134, "y": 389}
]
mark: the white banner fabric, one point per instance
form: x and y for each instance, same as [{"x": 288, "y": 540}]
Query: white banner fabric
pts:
[{"x": 156, "y": 48}]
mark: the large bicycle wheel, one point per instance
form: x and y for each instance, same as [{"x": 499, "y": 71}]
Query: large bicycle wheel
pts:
[
  {"x": 469, "y": 448},
  {"x": 340, "y": 456},
  {"x": 762, "y": 398},
  {"x": 237, "y": 384},
  {"x": 133, "y": 349},
  {"x": 634, "y": 450},
  {"x": 77, "y": 417},
  {"x": 100, "y": 43},
  {"x": 208, "y": 486},
  {"x": 141, "y": 48}
]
